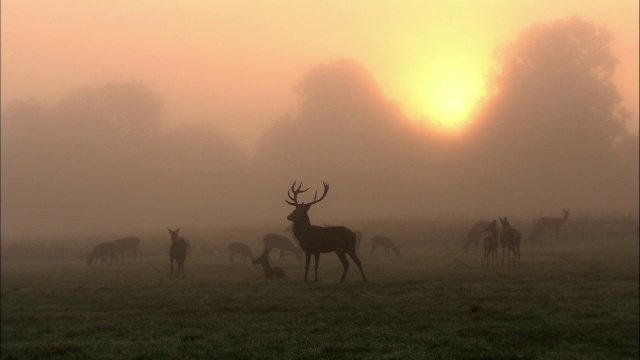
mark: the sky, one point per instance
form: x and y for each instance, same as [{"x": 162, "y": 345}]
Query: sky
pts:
[{"x": 235, "y": 64}]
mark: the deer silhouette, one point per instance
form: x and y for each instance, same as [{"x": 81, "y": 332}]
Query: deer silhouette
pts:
[
  {"x": 102, "y": 251},
  {"x": 552, "y": 223},
  {"x": 275, "y": 241},
  {"x": 384, "y": 242},
  {"x": 315, "y": 240},
  {"x": 510, "y": 238},
  {"x": 478, "y": 231},
  {"x": 128, "y": 243},
  {"x": 491, "y": 243},
  {"x": 177, "y": 251},
  {"x": 269, "y": 272},
  {"x": 240, "y": 248}
]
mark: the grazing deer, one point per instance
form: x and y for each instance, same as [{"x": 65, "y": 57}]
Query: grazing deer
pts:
[
  {"x": 315, "y": 240},
  {"x": 177, "y": 251},
  {"x": 510, "y": 238},
  {"x": 102, "y": 251},
  {"x": 552, "y": 223},
  {"x": 490, "y": 243},
  {"x": 275, "y": 241},
  {"x": 240, "y": 248},
  {"x": 477, "y": 232},
  {"x": 269, "y": 272},
  {"x": 384, "y": 242},
  {"x": 128, "y": 243}
]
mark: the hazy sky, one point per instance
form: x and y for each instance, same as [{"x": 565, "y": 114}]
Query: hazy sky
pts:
[{"x": 235, "y": 63}]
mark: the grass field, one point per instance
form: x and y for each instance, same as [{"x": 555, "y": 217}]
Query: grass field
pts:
[{"x": 573, "y": 299}]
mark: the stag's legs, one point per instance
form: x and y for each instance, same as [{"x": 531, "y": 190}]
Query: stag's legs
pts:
[
  {"x": 306, "y": 265},
  {"x": 317, "y": 258},
  {"x": 345, "y": 264},
  {"x": 354, "y": 257}
]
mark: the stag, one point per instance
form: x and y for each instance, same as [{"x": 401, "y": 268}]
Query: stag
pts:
[
  {"x": 240, "y": 248},
  {"x": 315, "y": 240},
  {"x": 490, "y": 243},
  {"x": 384, "y": 242},
  {"x": 510, "y": 238},
  {"x": 128, "y": 243},
  {"x": 269, "y": 272},
  {"x": 552, "y": 223},
  {"x": 477, "y": 232},
  {"x": 275, "y": 241},
  {"x": 177, "y": 251},
  {"x": 102, "y": 251}
]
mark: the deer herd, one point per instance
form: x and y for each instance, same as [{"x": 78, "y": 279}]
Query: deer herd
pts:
[{"x": 313, "y": 240}]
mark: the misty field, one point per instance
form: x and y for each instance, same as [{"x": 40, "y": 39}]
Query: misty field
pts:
[{"x": 577, "y": 298}]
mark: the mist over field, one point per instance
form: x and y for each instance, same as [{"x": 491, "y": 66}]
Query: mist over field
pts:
[{"x": 552, "y": 133}]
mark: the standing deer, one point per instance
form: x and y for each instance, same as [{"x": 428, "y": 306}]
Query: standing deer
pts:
[
  {"x": 269, "y": 272},
  {"x": 177, "y": 251},
  {"x": 510, "y": 238},
  {"x": 240, "y": 248},
  {"x": 275, "y": 241},
  {"x": 477, "y": 232},
  {"x": 384, "y": 242},
  {"x": 102, "y": 251},
  {"x": 490, "y": 243},
  {"x": 128, "y": 243},
  {"x": 315, "y": 240},
  {"x": 552, "y": 223}
]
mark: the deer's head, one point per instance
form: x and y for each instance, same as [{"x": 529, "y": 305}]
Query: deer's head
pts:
[
  {"x": 174, "y": 233},
  {"x": 299, "y": 214},
  {"x": 566, "y": 212}
]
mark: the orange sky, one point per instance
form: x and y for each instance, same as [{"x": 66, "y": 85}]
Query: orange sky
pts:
[{"x": 234, "y": 63}]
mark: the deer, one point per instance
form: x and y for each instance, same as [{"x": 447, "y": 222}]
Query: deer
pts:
[
  {"x": 275, "y": 241},
  {"x": 384, "y": 242},
  {"x": 177, "y": 251},
  {"x": 128, "y": 243},
  {"x": 478, "y": 231},
  {"x": 315, "y": 240},
  {"x": 490, "y": 243},
  {"x": 510, "y": 238},
  {"x": 552, "y": 223},
  {"x": 242, "y": 249},
  {"x": 102, "y": 251},
  {"x": 358, "y": 241},
  {"x": 269, "y": 272}
]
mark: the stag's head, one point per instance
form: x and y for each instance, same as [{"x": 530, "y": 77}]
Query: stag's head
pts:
[
  {"x": 299, "y": 214},
  {"x": 174, "y": 234}
]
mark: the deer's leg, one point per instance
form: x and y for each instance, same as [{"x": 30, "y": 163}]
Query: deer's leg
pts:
[
  {"x": 354, "y": 257},
  {"x": 315, "y": 265},
  {"x": 306, "y": 265},
  {"x": 345, "y": 264}
]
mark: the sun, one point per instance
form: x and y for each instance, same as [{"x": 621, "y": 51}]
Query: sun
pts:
[{"x": 444, "y": 95}]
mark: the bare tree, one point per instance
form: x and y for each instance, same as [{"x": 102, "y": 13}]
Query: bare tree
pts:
[
  {"x": 510, "y": 238},
  {"x": 316, "y": 239},
  {"x": 384, "y": 242},
  {"x": 177, "y": 251},
  {"x": 490, "y": 243},
  {"x": 128, "y": 243},
  {"x": 240, "y": 248},
  {"x": 478, "y": 231},
  {"x": 275, "y": 241},
  {"x": 269, "y": 272},
  {"x": 552, "y": 223},
  {"x": 102, "y": 251}
]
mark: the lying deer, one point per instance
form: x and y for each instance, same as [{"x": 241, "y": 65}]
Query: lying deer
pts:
[
  {"x": 240, "y": 248},
  {"x": 384, "y": 242},
  {"x": 269, "y": 272},
  {"x": 315, "y": 240},
  {"x": 102, "y": 251}
]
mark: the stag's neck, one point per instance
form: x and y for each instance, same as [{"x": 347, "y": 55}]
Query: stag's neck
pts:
[{"x": 299, "y": 227}]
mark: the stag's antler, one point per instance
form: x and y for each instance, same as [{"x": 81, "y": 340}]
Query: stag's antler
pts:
[{"x": 297, "y": 191}]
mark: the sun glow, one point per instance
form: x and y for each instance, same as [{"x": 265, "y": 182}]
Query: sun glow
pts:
[{"x": 445, "y": 94}]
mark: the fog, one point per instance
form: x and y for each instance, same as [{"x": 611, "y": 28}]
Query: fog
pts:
[{"x": 551, "y": 133}]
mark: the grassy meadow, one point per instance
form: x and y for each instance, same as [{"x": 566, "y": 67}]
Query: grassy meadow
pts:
[{"x": 576, "y": 298}]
